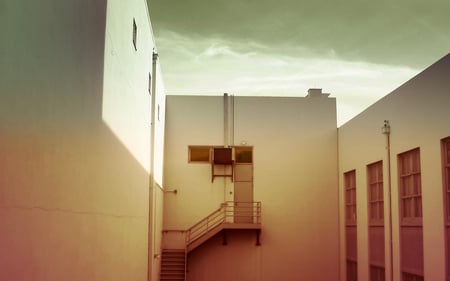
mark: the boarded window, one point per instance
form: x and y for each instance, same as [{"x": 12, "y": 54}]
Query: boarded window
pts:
[
  {"x": 199, "y": 154},
  {"x": 223, "y": 155}
]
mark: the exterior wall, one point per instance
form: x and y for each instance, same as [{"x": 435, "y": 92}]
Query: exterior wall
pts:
[
  {"x": 75, "y": 138},
  {"x": 295, "y": 178},
  {"x": 418, "y": 115}
]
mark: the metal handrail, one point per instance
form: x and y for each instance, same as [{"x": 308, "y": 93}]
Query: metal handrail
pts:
[{"x": 229, "y": 212}]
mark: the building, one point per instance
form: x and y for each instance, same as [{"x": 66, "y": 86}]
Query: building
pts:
[
  {"x": 103, "y": 177},
  {"x": 394, "y": 155},
  {"x": 80, "y": 90},
  {"x": 281, "y": 149}
]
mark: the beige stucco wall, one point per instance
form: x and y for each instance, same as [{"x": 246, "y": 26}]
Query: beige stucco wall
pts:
[
  {"x": 75, "y": 138},
  {"x": 418, "y": 115},
  {"x": 295, "y": 178}
]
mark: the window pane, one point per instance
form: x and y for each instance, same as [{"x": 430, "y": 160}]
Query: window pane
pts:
[
  {"x": 199, "y": 154},
  {"x": 243, "y": 154}
]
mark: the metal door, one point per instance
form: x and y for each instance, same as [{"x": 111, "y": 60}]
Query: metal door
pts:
[{"x": 243, "y": 193}]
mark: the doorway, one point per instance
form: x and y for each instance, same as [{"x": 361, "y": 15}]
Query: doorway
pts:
[{"x": 243, "y": 185}]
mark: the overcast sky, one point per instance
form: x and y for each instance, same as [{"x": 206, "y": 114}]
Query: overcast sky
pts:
[{"x": 357, "y": 50}]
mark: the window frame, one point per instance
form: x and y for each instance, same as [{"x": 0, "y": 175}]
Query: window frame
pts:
[
  {"x": 238, "y": 149},
  {"x": 375, "y": 186},
  {"x": 410, "y": 187},
  {"x": 206, "y": 147},
  {"x": 445, "y": 163},
  {"x": 350, "y": 197}
]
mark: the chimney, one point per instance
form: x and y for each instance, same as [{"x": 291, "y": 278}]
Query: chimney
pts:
[{"x": 316, "y": 93}]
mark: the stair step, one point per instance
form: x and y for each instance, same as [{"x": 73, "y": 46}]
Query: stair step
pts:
[{"x": 173, "y": 265}]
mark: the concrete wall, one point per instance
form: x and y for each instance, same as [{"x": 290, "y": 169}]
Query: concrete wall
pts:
[
  {"x": 295, "y": 178},
  {"x": 75, "y": 138},
  {"x": 419, "y": 117}
]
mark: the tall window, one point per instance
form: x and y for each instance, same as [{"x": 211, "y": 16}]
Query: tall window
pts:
[
  {"x": 376, "y": 221},
  {"x": 410, "y": 187},
  {"x": 445, "y": 148},
  {"x": 350, "y": 225},
  {"x": 411, "y": 233},
  {"x": 350, "y": 197}
]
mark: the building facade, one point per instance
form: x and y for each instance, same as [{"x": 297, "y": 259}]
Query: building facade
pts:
[
  {"x": 394, "y": 223},
  {"x": 81, "y": 95},
  {"x": 284, "y": 156}
]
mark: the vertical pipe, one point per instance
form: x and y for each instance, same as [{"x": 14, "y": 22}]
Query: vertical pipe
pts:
[
  {"x": 152, "y": 193},
  {"x": 386, "y": 130},
  {"x": 232, "y": 120},
  {"x": 225, "y": 120}
]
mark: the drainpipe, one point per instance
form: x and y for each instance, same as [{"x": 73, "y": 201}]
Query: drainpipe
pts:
[
  {"x": 152, "y": 193},
  {"x": 386, "y": 130},
  {"x": 225, "y": 120}
]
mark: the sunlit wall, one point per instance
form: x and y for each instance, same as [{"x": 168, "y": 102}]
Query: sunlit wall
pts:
[
  {"x": 75, "y": 138},
  {"x": 295, "y": 178}
]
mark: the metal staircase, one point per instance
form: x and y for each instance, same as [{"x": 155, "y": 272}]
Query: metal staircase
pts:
[
  {"x": 230, "y": 216},
  {"x": 173, "y": 265}
]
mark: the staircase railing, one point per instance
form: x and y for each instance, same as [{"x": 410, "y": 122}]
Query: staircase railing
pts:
[{"x": 229, "y": 212}]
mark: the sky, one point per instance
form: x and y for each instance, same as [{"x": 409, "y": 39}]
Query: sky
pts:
[{"x": 356, "y": 50}]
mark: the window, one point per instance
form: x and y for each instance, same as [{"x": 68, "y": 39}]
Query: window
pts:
[
  {"x": 411, "y": 277},
  {"x": 199, "y": 154},
  {"x": 446, "y": 174},
  {"x": 134, "y": 35},
  {"x": 350, "y": 227},
  {"x": 411, "y": 231},
  {"x": 410, "y": 186},
  {"x": 376, "y": 220},
  {"x": 243, "y": 154},
  {"x": 352, "y": 270},
  {"x": 350, "y": 197},
  {"x": 377, "y": 273},
  {"x": 375, "y": 191},
  {"x": 445, "y": 149}
]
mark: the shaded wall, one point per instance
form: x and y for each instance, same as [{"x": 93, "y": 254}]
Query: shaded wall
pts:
[{"x": 418, "y": 115}]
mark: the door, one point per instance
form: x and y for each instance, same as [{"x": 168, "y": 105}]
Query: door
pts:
[{"x": 243, "y": 185}]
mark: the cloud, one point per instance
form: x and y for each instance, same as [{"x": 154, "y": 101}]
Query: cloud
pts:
[
  {"x": 413, "y": 33},
  {"x": 216, "y": 65}
]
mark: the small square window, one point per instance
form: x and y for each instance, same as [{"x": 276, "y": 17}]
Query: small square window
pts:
[
  {"x": 199, "y": 154},
  {"x": 134, "y": 35},
  {"x": 243, "y": 154}
]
